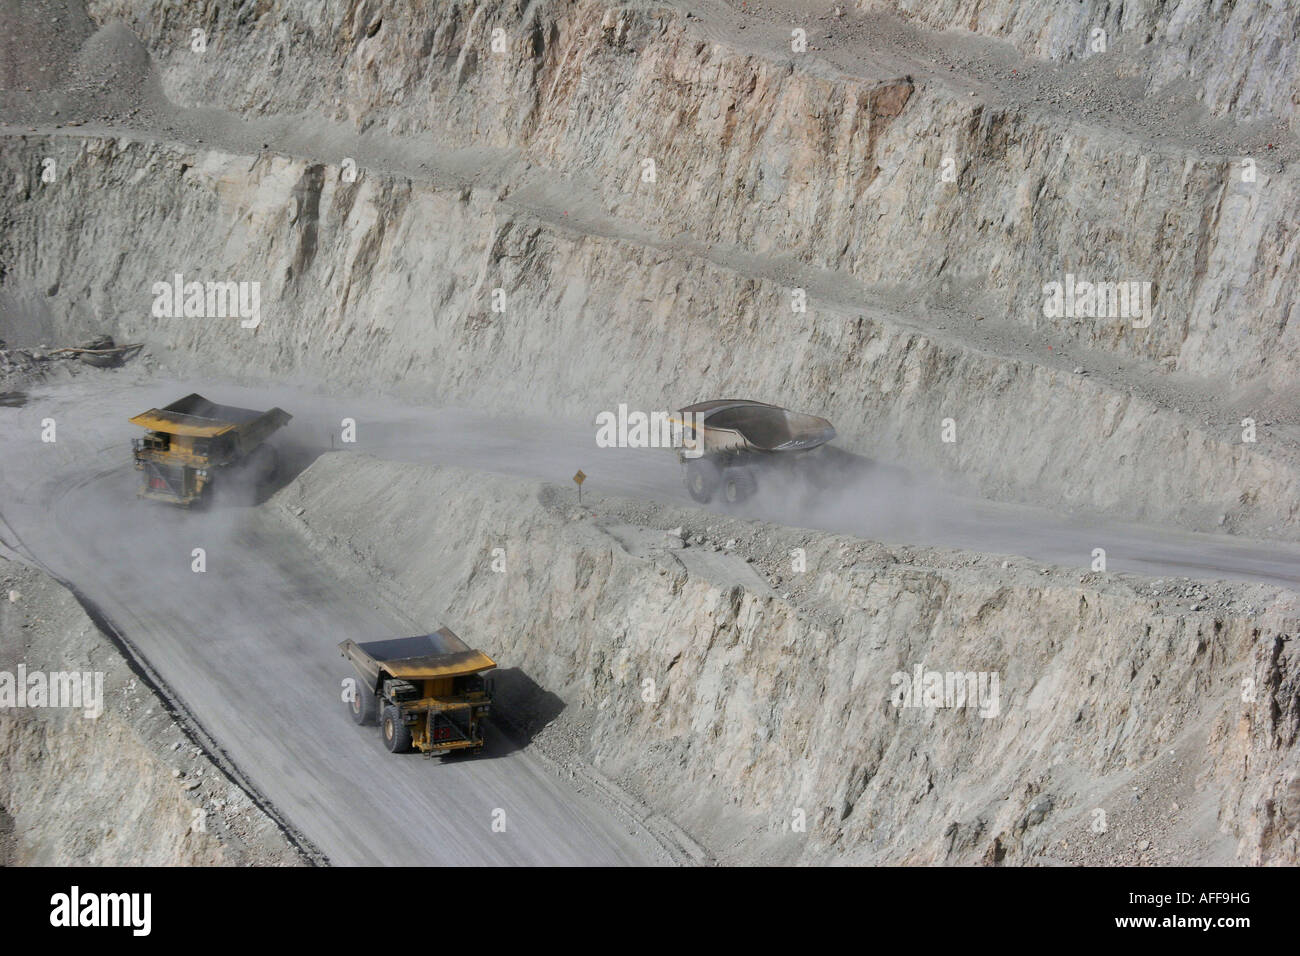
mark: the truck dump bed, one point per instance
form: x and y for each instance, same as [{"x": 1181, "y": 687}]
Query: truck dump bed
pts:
[
  {"x": 425, "y": 657},
  {"x": 740, "y": 423},
  {"x": 195, "y": 417}
]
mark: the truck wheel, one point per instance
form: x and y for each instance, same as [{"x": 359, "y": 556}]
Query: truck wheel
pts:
[
  {"x": 737, "y": 486},
  {"x": 397, "y": 736},
  {"x": 204, "y": 501},
  {"x": 262, "y": 465},
  {"x": 824, "y": 467},
  {"x": 268, "y": 464},
  {"x": 364, "y": 706},
  {"x": 701, "y": 479}
]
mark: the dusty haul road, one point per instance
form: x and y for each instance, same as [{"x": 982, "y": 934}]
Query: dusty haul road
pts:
[
  {"x": 896, "y": 508},
  {"x": 249, "y": 646},
  {"x": 250, "y": 649}
]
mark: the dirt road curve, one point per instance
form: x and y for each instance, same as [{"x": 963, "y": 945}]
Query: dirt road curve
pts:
[{"x": 249, "y": 646}]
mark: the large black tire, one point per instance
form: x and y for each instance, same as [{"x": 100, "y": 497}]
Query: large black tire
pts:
[
  {"x": 702, "y": 479},
  {"x": 204, "y": 501},
  {"x": 266, "y": 464},
  {"x": 397, "y": 736},
  {"x": 737, "y": 485},
  {"x": 257, "y": 470},
  {"x": 364, "y": 706},
  {"x": 818, "y": 467},
  {"x": 828, "y": 468}
]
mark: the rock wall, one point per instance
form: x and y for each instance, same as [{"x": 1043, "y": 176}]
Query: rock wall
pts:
[
  {"x": 1235, "y": 57},
  {"x": 127, "y": 787},
  {"x": 772, "y": 688},
  {"x": 781, "y": 156},
  {"x": 357, "y": 291}
]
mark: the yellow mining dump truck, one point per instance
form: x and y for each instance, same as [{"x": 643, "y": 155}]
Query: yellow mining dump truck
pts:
[
  {"x": 428, "y": 691},
  {"x": 192, "y": 440}
]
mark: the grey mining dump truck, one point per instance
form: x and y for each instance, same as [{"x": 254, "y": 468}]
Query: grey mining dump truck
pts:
[
  {"x": 192, "y": 440},
  {"x": 427, "y": 692},
  {"x": 730, "y": 443}
]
